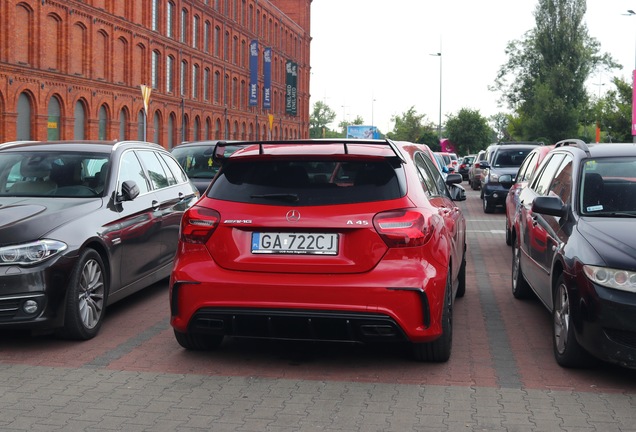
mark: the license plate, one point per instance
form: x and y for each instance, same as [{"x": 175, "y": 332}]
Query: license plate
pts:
[{"x": 295, "y": 243}]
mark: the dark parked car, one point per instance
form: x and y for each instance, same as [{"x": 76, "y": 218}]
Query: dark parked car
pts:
[
  {"x": 502, "y": 158},
  {"x": 575, "y": 248},
  {"x": 474, "y": 172},
  {"x": 526, "y": 173},
  {"x": 196, "y": 159},
  {"x": 83, "y": 225},
  {"x": 339, "y": 240},
  {"x": 464, "y": 165}
]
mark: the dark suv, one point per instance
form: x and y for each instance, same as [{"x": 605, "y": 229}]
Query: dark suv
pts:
[
  {"x": 501, "y": 158},
  {"x": 575, "y": 248}
]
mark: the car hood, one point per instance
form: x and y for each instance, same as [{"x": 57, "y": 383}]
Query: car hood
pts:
[
  {"x": 25, "y": 219},
  {"x": 612, "y": 238}
]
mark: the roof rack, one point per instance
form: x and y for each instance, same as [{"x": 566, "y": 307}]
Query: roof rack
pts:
[
  {"x": 573, "y": 142},
  {"x": 219, "y": 148}
]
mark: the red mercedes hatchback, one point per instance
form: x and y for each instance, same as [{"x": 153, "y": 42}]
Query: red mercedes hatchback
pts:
[{"x": 334, "y": 240}]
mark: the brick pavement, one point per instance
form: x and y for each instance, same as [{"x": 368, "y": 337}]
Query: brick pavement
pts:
[{"x": 491, "y": 387}]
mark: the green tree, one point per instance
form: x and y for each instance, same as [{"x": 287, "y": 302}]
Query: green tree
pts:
[
  {"x": 410, "y": 127},
  {"x": 320, "y": 117},
  {"x": 500, "y": 124},
  {"x": 468, "y": 131},
  {"x": 614, "y": 112},
  {"x": 549, "y": 68}
]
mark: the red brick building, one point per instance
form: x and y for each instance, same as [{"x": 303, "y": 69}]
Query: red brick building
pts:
[{"x": 73, "y": 69}]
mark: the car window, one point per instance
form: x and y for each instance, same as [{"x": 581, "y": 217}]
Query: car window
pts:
[
  {"x": 506, "y": 158},
  {"x": 279, "y": 182},
  {"x": 542, "y": 183},
  {"x": 525, "y": 170},
  {"x": 426, "y": 179},
  {"x": 169, "y": 175},
  {"x": 156, "y": 172},
  {"x": 130, "y": 169},
  {"x": 562, "y": 183},
  {"x": 176, "y": 169}
]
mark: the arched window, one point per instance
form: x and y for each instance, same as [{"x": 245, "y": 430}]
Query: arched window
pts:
[
  {"x": 141, "y": 126},
  {"x": 24, "y": 117},
  {"x": 79, "y": 127},
  {"x": 53, "y": 121},
  {"x": 102, "y": 133},
  {"x": 157, "y": 128},
  {"x": 197, "y": 129},
  {"x": 171, "y": 131},
  {"x": 123, "y": 124}
]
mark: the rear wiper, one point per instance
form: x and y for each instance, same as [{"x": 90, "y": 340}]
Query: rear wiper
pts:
[{"x": 278, "y": 196}]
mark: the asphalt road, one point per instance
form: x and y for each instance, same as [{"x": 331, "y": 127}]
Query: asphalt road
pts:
[{"x": 501, "y": 375}]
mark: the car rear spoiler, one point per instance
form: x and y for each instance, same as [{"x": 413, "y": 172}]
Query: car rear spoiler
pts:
[{"x": 221, "y": 156}]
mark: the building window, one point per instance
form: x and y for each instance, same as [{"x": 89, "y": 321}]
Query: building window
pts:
[
  {"x": 155, "y": 15},
  {"x": 206, "y": 84},
  {"x": 184, "y": 25},
  {"x": 216, "y": 87},
  {"x": 195, "y": 82},
  {"x": 226, "y": 47},
  {"x": 170, "y": 19},
  {"x": 169, "y": 74},
  {"x": 217, "y": 41},
  {"x": 184, "y": 71},
  {"x": 195, "y": 31},
  {"x": 206, "y": 37},
  {"x": 155, "y": 70}
]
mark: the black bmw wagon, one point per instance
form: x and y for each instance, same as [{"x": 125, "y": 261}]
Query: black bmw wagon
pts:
[{"x": 82, "y": 225}]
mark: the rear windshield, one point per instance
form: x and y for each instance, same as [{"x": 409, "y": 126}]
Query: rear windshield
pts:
[
  {"x": 305, "y": 183},
  {"x": 510, "y": 157}
]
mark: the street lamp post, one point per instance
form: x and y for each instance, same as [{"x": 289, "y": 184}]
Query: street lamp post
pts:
[{"x": 439, "y": 123}]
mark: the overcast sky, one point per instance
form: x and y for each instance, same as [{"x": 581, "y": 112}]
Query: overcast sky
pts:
[{"x": 363, "y": 50}]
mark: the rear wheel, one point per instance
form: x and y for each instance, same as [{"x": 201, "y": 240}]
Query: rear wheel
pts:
[
  {"x": 440, "y": 349},
  {"x": 520, "y": 288},
  {"x": 508, "y": 232},
  {"x": 567, "y": 351},
  {"x": 461, "y": 278},
  {"x": 198, "y": 341}
]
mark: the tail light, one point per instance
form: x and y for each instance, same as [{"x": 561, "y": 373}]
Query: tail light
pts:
[
  {"x": 476, "y": 164},
  {"x": 403, "y": 228},
  {"x": 198, "y": 224}
]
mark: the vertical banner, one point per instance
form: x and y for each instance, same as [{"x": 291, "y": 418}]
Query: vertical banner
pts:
[
  {"x": 267, "y": 78},
  {"x": 288, "y": 87},
  {"x": 294, "y": 99},
  {"x": 253, "y": 97},
  {"x": 634, "y": 103}
]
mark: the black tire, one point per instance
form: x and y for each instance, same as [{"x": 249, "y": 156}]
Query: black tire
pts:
[
  {"x": 520, "y": 287},
  {"x": 488, "y": 208},
  {"x": 198, "y": 341},
  {"x": 473, "y": 185},
  {"x": 567, "y": 350},
  {"x": 86, "y": 298},
  {"x": 461, "y": 278},
  {"x": 508, "y": 233},
  {"x": 440, "y": 349}
]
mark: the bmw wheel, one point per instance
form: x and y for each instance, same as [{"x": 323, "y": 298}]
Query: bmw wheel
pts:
[
  {"x": 508, "y": 232},
  {"x": 86, "y": 297},
  {"x": 567, "y": 351}
]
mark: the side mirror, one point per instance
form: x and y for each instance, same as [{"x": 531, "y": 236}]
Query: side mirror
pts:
[
  {"x": 454, "y": 179},
  {"x": 549, "y": 205},
  {"x": 445, "y": 169},
  {"x": 484, "y": 165},
  {"x": 129, "y": 191}
]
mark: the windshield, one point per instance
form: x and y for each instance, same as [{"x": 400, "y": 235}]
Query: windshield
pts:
[
  {"x": 50, "y": 173},
  {"x": 608, "y": 187},
  {"x": 508, "y": 158},
  {"x": 197, "y": 161}
]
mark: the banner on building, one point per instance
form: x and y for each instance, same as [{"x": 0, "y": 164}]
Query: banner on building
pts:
[
  {"x": 253, "y": 96},
  {"x": 267, "y": 78},
  {"x": 291, "y": 88}
]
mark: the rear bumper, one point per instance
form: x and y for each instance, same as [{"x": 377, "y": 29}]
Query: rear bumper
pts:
[
  {"x": 390, "y": 303},
  {"x": 494, "y": 194}
]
